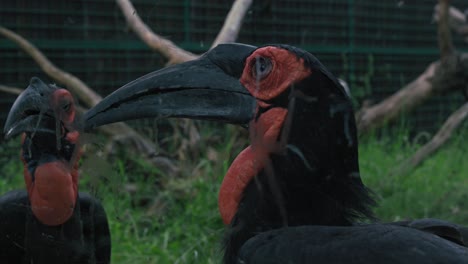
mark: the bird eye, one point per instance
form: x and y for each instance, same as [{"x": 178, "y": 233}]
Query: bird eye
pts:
[
  {"x": 262, "y": 67},
  {"x": 66, "y": 106}
]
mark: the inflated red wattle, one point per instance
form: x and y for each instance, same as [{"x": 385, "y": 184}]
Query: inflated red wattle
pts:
[
  {"x": 264, "y": 138},
  {"x": 53, "y": 193},
  {"x": 285, "y": 71}
]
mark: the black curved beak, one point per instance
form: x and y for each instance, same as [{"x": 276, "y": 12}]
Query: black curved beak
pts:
[
  {"x": 206, "y": 88},
  {"x": 31, "y": 110}
]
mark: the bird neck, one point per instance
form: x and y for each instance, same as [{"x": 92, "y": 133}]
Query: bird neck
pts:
[
  {"x": 312, "y": 179},
  {"x": 264, "y": 133},
  {"x": 51, "y": 180},
  {"x": 287, "y": 193}
]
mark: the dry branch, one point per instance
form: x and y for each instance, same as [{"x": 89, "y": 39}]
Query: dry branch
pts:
[
  {"x": 447, "y": 62},
  {"x": 166, "y": 47},
  {"x": 403, "y": 100},
  {"x": 88, "y": 96},
  {"x": 457, "y": 20},
  {"x": 451, "y": 67},
  {"x": 10, "y": 90},
  {"x": 442, "y": 136},
  {"x": 233, "y": 22},
  {"x": 448, "y": 74},
  {"x": 118, "y": 131},
  {"x": 444, "y": 35}
]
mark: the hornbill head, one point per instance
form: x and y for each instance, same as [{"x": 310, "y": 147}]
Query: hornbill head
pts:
[
  {"x": 45, "y": 114},
  {"x": 301, "y": 122}
]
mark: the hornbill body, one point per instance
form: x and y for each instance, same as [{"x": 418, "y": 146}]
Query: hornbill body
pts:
[
  {"x": 295, "y": 194},
  {"x": 50, "y": 221}
]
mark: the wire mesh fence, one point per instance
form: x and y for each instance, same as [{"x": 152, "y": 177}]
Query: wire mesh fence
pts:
[{"x": 376, "y": 46}]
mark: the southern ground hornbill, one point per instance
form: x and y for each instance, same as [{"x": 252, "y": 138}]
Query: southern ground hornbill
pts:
[
  {"x": 50, "y": 222},
  {"x": 295, "y": 194}
]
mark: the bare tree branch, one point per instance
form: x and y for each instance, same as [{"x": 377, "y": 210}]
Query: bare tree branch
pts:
[
  {"x": 88, "y": 96},
  {"x": 10, "y": 90},
  {"x": 444, "y": 34},
  {"x": 448, "y": 74},
  {"x": 404, "y": 100},
  {"x": 456, "y": 19},
  {"x": 166, "y": 47},
  {"x": 442, "y": 136},
  {"x": 233, "y": 22}
]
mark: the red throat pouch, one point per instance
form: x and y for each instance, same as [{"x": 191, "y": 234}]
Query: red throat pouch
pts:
[
  {"x": 264, "y": 135},
  {"x": 53, "y": 193}
]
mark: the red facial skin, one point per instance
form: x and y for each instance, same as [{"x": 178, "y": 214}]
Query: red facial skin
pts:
[
  {"x": 286, "y": 70},
  {"x": 54, "y": 191}
]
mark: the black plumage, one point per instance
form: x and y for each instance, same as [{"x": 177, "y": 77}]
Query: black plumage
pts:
[
  {"x": 294, "y": 195},
  {"x": 50, "y": 221}
]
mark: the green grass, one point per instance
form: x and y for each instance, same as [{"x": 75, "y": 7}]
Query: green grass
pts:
[
  {"x": 438, "y": 188},
  {"x": 156, "y": 218}
]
